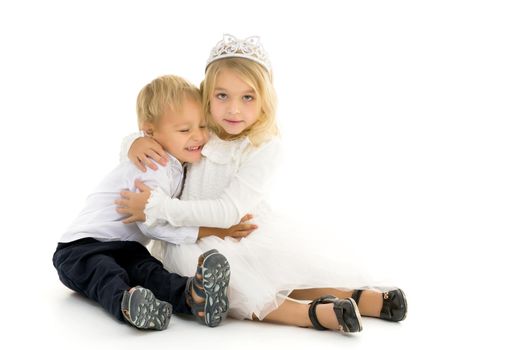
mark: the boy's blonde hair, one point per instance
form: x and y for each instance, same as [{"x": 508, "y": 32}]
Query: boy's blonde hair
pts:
[
  {"x": 260, "y": 80},
  {"x": 168, "y": 91}
]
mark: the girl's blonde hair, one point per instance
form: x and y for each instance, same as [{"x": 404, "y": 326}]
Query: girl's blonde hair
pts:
[
  {"x": 260, "y": 80},
  {"x": 168, "y": 91}
]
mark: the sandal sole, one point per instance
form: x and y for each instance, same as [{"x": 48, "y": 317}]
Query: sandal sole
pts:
[
  {"x": 358, "y": 316},
  {"x": 406, "y": 305},
  {"x": 145, "y": 311},
  {"x": 216, "y": 277}
]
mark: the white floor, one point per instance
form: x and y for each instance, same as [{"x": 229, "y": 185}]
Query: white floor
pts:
[
  {"x": 48, "y": 315},
  {"x": 71, "y": 321}
]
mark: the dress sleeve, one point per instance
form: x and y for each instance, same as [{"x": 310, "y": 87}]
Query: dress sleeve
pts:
[
  {"x": 245, "y": 191},
  {"x": 164, "y": 181},
  {"x": 126, "y": 144}
]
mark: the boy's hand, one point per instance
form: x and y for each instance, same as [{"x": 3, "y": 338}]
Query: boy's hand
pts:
[
  {"x": 242, "y": 229},
  {"x": 143, "y": 150},
  {"x": 134, "y": 203}
]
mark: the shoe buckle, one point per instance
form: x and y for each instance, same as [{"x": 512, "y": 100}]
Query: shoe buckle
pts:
[{"x": 385, "y": 295}]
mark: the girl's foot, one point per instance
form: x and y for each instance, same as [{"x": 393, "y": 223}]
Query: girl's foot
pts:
[
  {"x": 385, "y": 303},
  {"x": 326, "y": 316},
  {"x": 329, "y": 312}
]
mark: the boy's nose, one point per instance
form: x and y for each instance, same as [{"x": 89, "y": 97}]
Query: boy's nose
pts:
[{"x": 198, "y": 135}]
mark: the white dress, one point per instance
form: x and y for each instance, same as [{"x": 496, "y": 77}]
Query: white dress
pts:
[{"x": 266, "y": 266}]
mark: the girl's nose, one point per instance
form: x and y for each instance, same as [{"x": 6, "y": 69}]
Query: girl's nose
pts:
[{"x": 233, "y": 108}]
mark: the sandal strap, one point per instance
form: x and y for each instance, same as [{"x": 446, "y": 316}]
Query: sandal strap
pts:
[
  {"x": 312, "y": 314},
  {"x": 198, "y": 287},
  {"x": 124, "y": 306},
  {"x": 195, "y": 307},
  {"x": 340, "y": 319},
  {"x": 356, "y": 295},
  {"x": 197, "y": 284}
]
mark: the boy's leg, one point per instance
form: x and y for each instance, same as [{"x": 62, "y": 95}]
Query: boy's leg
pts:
[
  {"x": 86, "y": 266},
  {"x": 91, "y": 268},
  {"x": 204, "y": 295},
  {"x": 143, "y": 269}
]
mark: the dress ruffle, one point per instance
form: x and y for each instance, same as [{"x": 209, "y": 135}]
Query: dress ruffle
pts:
[
  {"x": 266, "y": 266},
  {"x": 153, "y": 206}
]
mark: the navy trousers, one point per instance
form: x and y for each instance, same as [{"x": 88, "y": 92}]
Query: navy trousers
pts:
[{"x": 102, "y": 271}]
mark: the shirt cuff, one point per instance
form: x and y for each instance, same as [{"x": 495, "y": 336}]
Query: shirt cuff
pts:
[{"x": 189, "y": 234}]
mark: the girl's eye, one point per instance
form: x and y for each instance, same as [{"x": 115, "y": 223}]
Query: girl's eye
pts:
[
  {"x": 184, "y": 130},
  {"x": 248, "y": 98},
  {"x": 202, "y": 126},
  {"x": 221, "y": 96}
]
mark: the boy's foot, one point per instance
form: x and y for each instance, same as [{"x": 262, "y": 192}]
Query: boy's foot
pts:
[
  {"x": 206, "y": 292},
  {"x": 141, "y": 309}
]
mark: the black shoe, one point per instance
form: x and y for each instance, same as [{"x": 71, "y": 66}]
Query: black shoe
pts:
[
  {"x": 394, "y": 303},
  {"x": 345, "y": 310}
]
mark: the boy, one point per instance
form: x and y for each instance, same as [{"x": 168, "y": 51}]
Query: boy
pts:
[{"x": 107, "y": 261}]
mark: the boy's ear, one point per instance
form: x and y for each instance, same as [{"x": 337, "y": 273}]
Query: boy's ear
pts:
[{"x": 147, "y": 128}]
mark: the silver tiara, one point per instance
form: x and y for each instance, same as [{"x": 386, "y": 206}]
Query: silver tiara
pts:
[{"x": 249, "y": 48}]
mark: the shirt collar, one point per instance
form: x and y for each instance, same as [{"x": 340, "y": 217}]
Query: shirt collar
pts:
[{"x": 175, "y": 163}]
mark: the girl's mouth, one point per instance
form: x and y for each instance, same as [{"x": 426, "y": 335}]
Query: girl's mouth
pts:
[{"x": 234, "y": 122}]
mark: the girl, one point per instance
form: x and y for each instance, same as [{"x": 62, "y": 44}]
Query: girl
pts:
[{"x": 230, "y": 181}]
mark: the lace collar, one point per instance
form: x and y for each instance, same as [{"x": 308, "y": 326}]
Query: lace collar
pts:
[{"x": 222, "y": 151}]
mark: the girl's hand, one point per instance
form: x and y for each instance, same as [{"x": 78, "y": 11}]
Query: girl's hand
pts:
[
  {"x": 134, "y": 203},
  {"x": 242, "y": 229},
  {"x": 143, "y": 150}
]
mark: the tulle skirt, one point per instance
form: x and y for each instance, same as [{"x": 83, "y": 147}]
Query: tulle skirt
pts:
[{"x": 267, "y": 265}]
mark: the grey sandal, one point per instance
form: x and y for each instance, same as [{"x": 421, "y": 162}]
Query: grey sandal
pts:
[
  {"x": 140, "y": 308},
  {"x": 212, "y": 286}
]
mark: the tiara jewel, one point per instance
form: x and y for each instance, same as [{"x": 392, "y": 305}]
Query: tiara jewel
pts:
[{"x": 249, "y": 48}]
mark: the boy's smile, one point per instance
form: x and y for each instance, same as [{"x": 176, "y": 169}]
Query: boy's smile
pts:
[{"x": 182, "y": 133}]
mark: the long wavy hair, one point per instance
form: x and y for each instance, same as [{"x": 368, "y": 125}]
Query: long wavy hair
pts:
[{"x": 260, "y": 80}]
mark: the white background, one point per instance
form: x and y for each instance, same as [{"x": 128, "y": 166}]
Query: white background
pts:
[{"x": 404, "y": 128}]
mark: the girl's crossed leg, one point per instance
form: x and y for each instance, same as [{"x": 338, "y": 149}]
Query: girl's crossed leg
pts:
[{"x": 295, "y": 311}]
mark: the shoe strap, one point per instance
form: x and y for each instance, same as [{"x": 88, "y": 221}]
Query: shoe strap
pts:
[
  {"x": 356, "y": 295},
  {"x": 312, "y": 314},
  {"x": 124, "y": 305},
  {"x": 197, "y": 287}
]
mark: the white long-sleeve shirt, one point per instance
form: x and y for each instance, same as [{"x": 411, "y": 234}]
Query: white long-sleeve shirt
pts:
[
  {"x": 100, "y": 220},
  {"x": 234, "y": 175}
]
